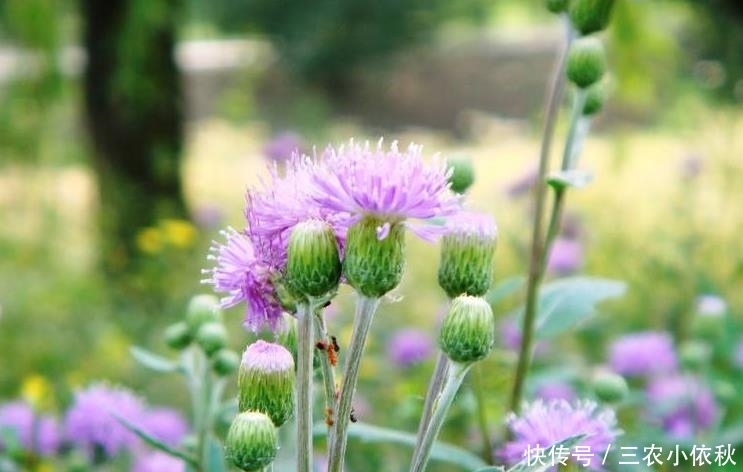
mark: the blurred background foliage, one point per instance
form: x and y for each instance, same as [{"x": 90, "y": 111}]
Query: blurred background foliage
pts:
[{"x": 662, "y": 214}]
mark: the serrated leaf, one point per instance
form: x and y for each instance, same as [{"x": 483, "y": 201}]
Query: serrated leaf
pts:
[
  {"x": 440, "y": 451},
  {"x": 214, "y": 455},
  {"x": 505, "y": 288},
  {"x": 576, "y": 178},
  {"x": 535, "y": 465},
  {"x": 565, "y": 302},
  {"x": 153, "y": 361},
  {"x": 154, "y": 442}
]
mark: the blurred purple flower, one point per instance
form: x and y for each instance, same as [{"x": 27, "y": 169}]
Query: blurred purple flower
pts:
[
  {"x": 523, "y": 184},
  {"x": 208, "y": 216},
  {"x": 681, "y": 404},
  {"x": 566, "y": 256},
  {"x": 165, "y": 424},
  {"x": 245, "y": 277},
  {"x": 283, "y": 146},
  {"x": 545, "y": 423},
  {"x": 356, "y": 181},
  {"x": 91, "y": 422},
  {"x": 409, "y": 346},
  {"x": 157, "y": 461},
  {"x": 643, "y": 354},
  {"x": 510, "y": 335},
  {"x": 711, "y": 305},
  {"x": 555, "y": 391},
  {"x": 35, "y": 433}
]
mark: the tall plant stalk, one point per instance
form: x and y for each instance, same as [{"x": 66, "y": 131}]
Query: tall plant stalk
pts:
[{"x": 305, "y": 346}]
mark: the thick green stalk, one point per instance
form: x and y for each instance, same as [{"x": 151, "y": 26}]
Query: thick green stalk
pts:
[
  {"x": 454, "y": 378},
  {"x": 305, "y": 346},
  {"x": 328, "y": 372},
  {"x": 365, "y": 309},
  {"x": 434, "y": 389},
  {"x": 537, "y": 249}
]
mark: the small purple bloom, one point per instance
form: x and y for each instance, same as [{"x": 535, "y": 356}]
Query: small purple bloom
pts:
[
  {"x": 566, "y": 256},
  {"x": 510, "y": 336},
  {"x": 245, "y": 277},
  {"x": 681, "y": 404},
  {"x": 555, "y": 391},
  {"x": 35, "y": 433},
  {"x": 267, "y": 357},
  {"x": 543, "y": 424},
  {"x": 711, "y": 305},
  {"x": 283, "y": 146},
  {"x": 165, "y": 424},
  {"x": 642, "y": 354},
  {"x": 91, "y": 422},
  {"x": 157, "y": 461},
  {"x": 356, "y": 181},
  {"x": 409, "y": 346}
]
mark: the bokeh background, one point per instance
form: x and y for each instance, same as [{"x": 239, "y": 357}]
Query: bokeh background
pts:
[{"x": 130, "y": 130}]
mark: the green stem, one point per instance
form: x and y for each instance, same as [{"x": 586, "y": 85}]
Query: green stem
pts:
[
  {"x": 482, "y": 415},
  {"x": 305, "y": 346},
  {"x": 454, "y": 379},
  {"x": 537, "y": 250},
  {"x": 328, "y": 373},
  {"x": 434, "y": 389},
  {"x": 365, "y": 309}
]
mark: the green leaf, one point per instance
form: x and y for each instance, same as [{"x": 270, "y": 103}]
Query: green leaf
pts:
[
  {"x": 441, "y": 451},
  {"x": 153, "y": 361},
  {"x": 566, "y": 302},
  {"x": 154, "y": 442},
  {"x": 214, "y": 455},
  {"x": 505, "y": 288},
  {"x": 576, "y": 178},
  {"x": 534, "y": 465}
]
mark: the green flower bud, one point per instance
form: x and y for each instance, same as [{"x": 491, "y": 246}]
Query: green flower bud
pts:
[
  {"x": 468, "y": 330},
  {"x": 693, "y": 355},
  {"x": 467, "y": 249},
  {"x": 610, "y": 387},
  {"x": 177, "y": 336},
  {"x": 586, "y": 62},
  {"x": 211, "y": 337},
  {"x": 557, "y": 6},
  {"x": 375, "y": 256},
  {"x": 462, "y": 175},
  {"x": 225, "y": 362},
  {"x": 252, "y": 442},
  {"x": 265, "y": 381},
  {"x": 590, "y": 16},
  {"x": 202, "y": 309},
  {"x": 313, "y": 266},
  {"x": 595, "y": 97}
]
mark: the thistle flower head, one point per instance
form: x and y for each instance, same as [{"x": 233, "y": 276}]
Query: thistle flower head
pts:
[
  {"x": 546, "y": 423},
  {"x": 642, "y": 354},
  {"x": 92, "y": 421},
  {"x": 389, "y": 185},
  {"x": 681, "y": 404},
  {"x": 164, "y": 424},
  {"x": 35, "y": 433},
  {"x": 266, "y": 381},
  {"x": 467, "y": 251},
  {"x": 313, "y": 267},
  {"x": 244, "y": 276},
  {"x": 252, "y": 442},
  {"x": 468, "y": 330}
]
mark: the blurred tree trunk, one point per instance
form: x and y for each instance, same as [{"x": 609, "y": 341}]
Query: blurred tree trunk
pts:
[{"x": 134, "y": 114}]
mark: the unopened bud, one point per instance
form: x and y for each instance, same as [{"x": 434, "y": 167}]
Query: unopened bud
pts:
[
  {"x": 468, "y": 330},
  {"x": 211, "y": 337},
  {"x": 467, "y": 249},
  {"x": 557, "y": 6},
  {"x": 251, "y": 443},
  {"x": 202, "y": 309},
  {"x": 586, "y": 62},
  {"x": 610, "y": 387},
  {"x": 225, "y": 362},
  {"x": 375, "y": 256},
  {"x": 462, "y": 174},
  {"x": 313, "y": 266},
  {"x": 590, "y": 16},
  {"x": 265, "y": 381},
  {"x": 595, "y": 97},
  {"x": 177, "y": 336}
]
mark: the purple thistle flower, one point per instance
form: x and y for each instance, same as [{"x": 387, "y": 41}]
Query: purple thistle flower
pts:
[
  {"x": 35, "y": 433},
  {"x": 565, "y": 257},
  {"x": 642, "y": 354},
  {"x": 165, "y": 424},
  {"x": 157, "y": 461},
  {"x": 543, "y": 424},
  {"x": 283, "y": 146},
  {"x": 555, "y": 391},
  {"x": 356, "y": 181},
  {"x": 409, "y": 346},
  {"x": 267, "y": 357},
  {"x": 681, "y": 404},
  {"x": 245, "y": 277},
  {"x": 91, "y": 422}
]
